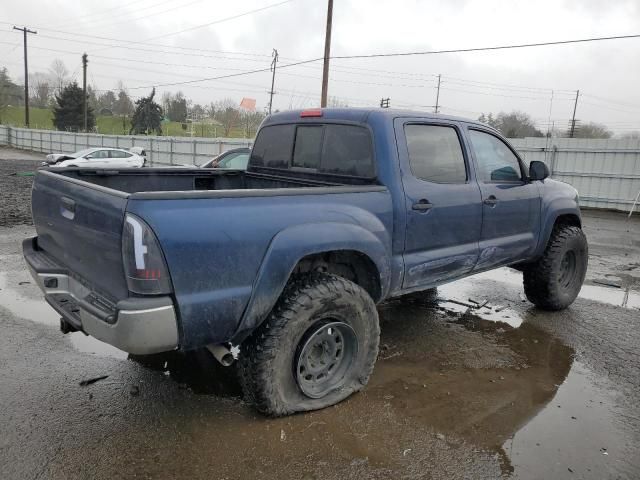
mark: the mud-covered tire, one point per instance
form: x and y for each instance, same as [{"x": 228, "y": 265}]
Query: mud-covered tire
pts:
[
  {"x": 554, "y": 281},
  {"x": 268, "y": 358}
]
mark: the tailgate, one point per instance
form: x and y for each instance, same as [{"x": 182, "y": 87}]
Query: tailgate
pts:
[{"x": 80, "y": 225}]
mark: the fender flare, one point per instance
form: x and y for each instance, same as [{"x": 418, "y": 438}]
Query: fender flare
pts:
[
  {"x": 289, "y": 246},
  {"x": 555, "y": 210}
]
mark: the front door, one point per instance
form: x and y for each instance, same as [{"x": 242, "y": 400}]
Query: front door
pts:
[
  {"x": 511, "y": 204},
  {"x": 443, "y": 203}
]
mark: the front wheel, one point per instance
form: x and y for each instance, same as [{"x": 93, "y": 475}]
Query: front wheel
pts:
[
  {"x": 554, "y": 281},
  {"x": 317, "y": 347}
]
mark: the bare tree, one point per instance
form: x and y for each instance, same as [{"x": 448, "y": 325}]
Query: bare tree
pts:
[
  {"x": 40, "y": 90},
  {"x": 59, "y": 75},
  {"x": 592, "y": 130},
  {"x": 228, "y": 114},
  {"x": 634, "y": 135}
]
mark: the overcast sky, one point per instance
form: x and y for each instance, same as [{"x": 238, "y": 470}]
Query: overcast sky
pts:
[{"x": 607, "y": 73}]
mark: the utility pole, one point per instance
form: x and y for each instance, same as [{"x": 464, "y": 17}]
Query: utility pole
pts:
[
  {"x": 274, "y": 62},
  {"x": 327, "y": 54},
  {"x": 573, "y": 118},
  {"x": 438, "y": 96},
  {"x": 84, "y": 90},
  {"x": 25, "y": 30}
]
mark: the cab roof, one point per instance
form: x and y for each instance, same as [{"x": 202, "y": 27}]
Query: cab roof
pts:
[{"x": 360, "y": 115}]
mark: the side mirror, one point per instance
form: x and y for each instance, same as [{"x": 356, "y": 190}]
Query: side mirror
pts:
[{"x": 538, "y": 170}]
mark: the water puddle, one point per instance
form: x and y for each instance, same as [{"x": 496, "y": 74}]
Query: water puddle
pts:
[
  {"x": 14, "y": 297},
  {"x": 621, "y": 297},
  {"x": 578, "y": 429}
]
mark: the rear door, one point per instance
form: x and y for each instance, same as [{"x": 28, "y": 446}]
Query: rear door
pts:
[
  {"x": 511, "y": 204},
  {"x": 443, "y": 203},
  {"x": 80, "y": 226},
  {"x": 120, "y": 159}
]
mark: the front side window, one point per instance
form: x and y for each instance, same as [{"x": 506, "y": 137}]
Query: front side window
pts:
[
  {"x": 435, "y": 153},
  {"x": 496, "y": 161},
  {"x": 98, "y": 154}
]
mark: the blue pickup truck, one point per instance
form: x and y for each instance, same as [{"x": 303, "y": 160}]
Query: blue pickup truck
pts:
[{"x": 338, "y": 210}]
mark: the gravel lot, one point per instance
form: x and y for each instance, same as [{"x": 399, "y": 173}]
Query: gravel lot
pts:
[
  {"x": 15, "y": 188},
  {"x": 505, "y": 391}
]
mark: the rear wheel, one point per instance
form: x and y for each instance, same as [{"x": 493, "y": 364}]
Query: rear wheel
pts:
[
  {"x": 554, "y": 281},
  {"x": 317, "y": 347}
]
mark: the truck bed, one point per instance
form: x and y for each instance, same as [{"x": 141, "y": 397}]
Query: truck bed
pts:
[{"x": 135, "y": 181}]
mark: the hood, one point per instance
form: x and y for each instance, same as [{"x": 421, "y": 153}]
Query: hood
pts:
[{"x": 57, "y": 157}]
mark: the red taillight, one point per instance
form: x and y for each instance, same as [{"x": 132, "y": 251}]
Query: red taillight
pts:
[{"x": 314, "y": 112}]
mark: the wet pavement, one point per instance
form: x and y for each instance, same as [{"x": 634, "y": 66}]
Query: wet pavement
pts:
[{"x": 475, "y": 383}]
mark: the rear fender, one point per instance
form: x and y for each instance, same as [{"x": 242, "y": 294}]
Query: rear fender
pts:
[{"x": 289, "y": 246}]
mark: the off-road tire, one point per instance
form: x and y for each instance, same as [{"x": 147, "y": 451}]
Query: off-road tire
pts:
[
  {"x": 542, "y": 279},
  {"x": 267, "y": 357}
]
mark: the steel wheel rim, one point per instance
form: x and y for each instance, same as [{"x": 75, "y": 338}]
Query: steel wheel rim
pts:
[
  {"x": 328, "y": 351},
  {"x": 568, "y": 268}
]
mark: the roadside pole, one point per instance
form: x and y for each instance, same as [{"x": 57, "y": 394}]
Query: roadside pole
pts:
[
  {"x": 84, "y": 91},
  {"x": 25, "y": 30},
  {"x": 573, "y": 118},
  {"x": 436, "y": 110},
  {"x": 327, "y": 54},
  {"x": 273, "y": 78}
]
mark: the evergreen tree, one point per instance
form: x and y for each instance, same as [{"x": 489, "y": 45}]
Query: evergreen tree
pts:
[
  {"x": 68, "y": 113},
  {"x": 10, "y": 93},
  {"x": 147, "y": 117}
]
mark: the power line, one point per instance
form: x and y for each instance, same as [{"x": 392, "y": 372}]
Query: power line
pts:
[
  {"x": 127, "y": 43},
  {"x": 208, "y": 24},
  {"x": 119, "y": 7},
  {"x": 484, "y": 49},
  {"x": 101, "y": 22},
  {"x": 231, "y": 75}
]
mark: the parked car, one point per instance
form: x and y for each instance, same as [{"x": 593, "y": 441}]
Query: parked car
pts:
[
  {"x": 236, "y": 159},
  {"x": 98, "y": 158},
  {"x": 339, "y": 209}
]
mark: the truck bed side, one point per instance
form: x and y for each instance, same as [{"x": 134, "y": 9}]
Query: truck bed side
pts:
[{"x": 215, "y": 247}]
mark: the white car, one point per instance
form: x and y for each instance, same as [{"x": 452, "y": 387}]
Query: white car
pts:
[{"x": 98, "y": 158}]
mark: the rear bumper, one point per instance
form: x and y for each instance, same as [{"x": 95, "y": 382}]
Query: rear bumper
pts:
[{"x": 136, "y": 325}]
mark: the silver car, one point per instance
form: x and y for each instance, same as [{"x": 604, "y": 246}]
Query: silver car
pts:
[{"x": 99, "y": 157}]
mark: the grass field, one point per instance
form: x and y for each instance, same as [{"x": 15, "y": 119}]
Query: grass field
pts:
[{"x": 42, "y": 118}]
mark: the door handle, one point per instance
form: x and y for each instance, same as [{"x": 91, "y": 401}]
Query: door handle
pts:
[
  {"x": 422, "y": 206},
  {"x": 492, "y": 201},
  {"x": 67, "y": 208}
]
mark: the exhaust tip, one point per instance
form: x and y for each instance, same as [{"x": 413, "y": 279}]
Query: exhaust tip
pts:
[{"x": 222, "y": 354}]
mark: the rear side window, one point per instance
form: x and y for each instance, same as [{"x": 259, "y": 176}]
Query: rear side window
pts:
[
  {"x": 335, "y": 149},
  {"x": 347, "y": 151},
  {"x": 435, "y": 153},
  {"x": 306, "y": 152},
  {"x": 273, "y": 147}
]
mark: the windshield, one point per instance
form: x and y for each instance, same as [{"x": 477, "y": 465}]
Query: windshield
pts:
[{"x": 236, "y": 161}]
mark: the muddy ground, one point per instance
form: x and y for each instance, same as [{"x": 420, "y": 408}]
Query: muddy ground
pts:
[{"x": 502, "y": 391}]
